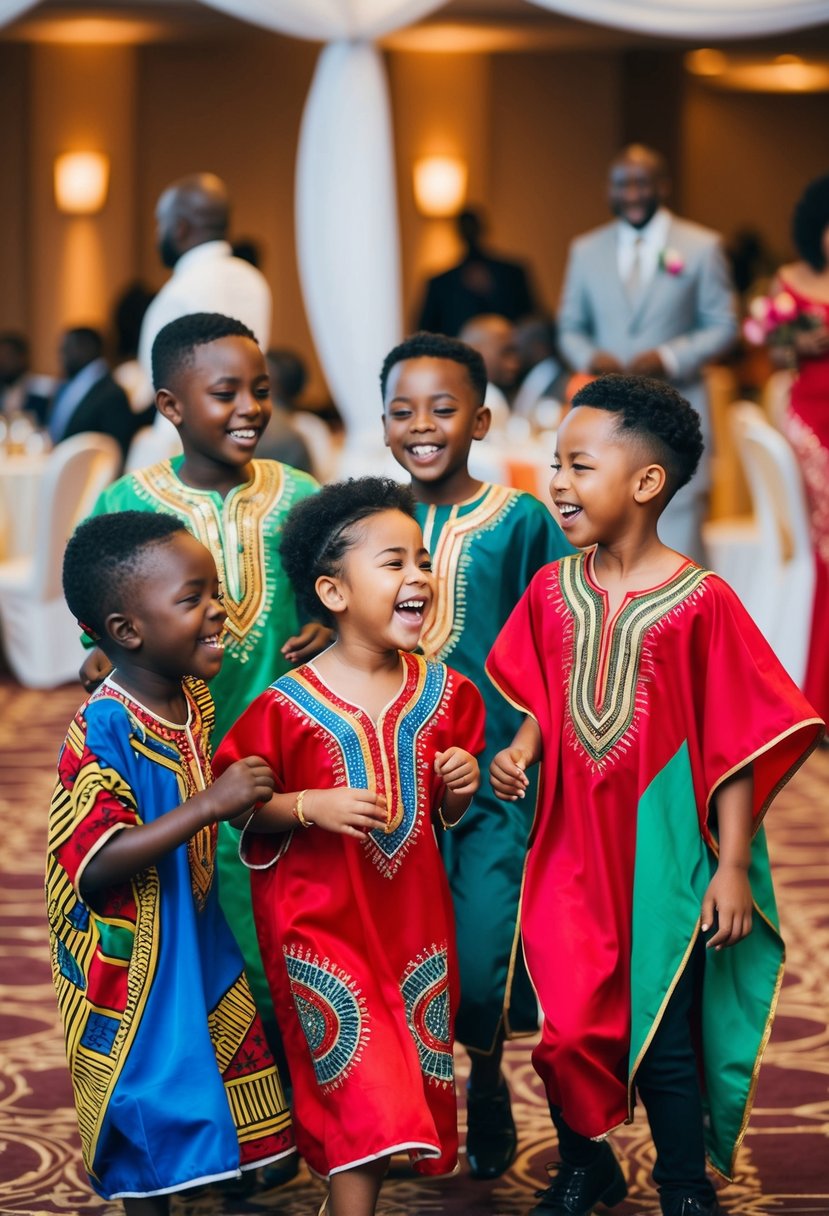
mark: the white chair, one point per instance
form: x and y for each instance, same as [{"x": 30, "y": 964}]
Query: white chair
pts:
[
  {"x": 41, "y": 639},
  {"x": 770, "y": 562},
  {"x": 151, "y": 445},
  {"x": 322, "y": 447}
]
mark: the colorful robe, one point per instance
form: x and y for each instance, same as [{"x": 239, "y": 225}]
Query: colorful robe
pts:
[
  {"x": 484, "y": 553},
  {"x": 642, "y": 718},
  {"x": 243, "y": 532},
  {"x": 357, "y": 936},
  {"x": 174, "y": 1083}
]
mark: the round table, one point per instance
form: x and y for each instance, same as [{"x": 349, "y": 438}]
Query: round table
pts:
[{"x": 20, "y": 478}]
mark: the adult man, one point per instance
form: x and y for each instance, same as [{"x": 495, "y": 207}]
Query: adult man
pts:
[
  {"x": 191, "y": 234},
  {"x": 479, "y": 283},
  {"x": 493, "y": 336},
  {"x": 19, "y": 389},
  {"x": 651, "y": 294},
  {"x": 89, "y": 399}
]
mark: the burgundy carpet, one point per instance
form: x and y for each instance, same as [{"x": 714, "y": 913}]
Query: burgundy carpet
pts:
[{"x": 784, "y": 1162}]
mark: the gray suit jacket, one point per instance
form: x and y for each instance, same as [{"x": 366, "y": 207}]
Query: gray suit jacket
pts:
[{"x": 692, "y": 312}]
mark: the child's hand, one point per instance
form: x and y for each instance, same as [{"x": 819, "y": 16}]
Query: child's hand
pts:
[
  {"x": 239, "y": 788},
  {"x": 506, "y": 773},
  {"x": 729, "y": 899},
  {"x": 459, "y": 771},
  {"x": 311, "y": 639},
  {"x": 347, "y": 811},
  {"x": 94, "y": 669}
]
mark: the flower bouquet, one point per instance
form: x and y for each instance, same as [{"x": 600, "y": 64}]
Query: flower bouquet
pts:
[{"x": 775, "y": 320}]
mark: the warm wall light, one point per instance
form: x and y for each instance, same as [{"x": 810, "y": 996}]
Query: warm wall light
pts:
[
  {"x": 81, "y": 180},
  {"x": 439, "y": 185}
]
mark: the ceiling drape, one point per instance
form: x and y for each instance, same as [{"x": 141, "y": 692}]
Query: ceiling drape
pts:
[
  {"x": 703, "y": 19},
  {"x": 9, "y": 9}
]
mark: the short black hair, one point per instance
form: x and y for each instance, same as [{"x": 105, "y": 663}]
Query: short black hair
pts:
[
  {"x": 810, "y": 221},
  {"x": 656, "y": 414},
  {"x": 424, "y": 345},
  {"x": 175, "y": 343},
  {"x": 17, "y": 341},
  {"x": 104, "y": 557},
  {"x": 319, "y": 532}
]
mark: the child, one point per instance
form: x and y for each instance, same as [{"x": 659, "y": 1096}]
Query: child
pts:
[
  {"x": 486, "y": 542},
  {"x": 666, "y": 726},
  {"x": 173, "y": 1083},
  {"x": 212, "y": 383},
  {"x": 355, "y": 921}
]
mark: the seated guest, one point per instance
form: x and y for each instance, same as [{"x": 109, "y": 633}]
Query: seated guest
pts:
[
  {"x": 493, "y": 337},
  {"x": 127, "y": 317},
  {"x": 280, "y": 440},
  {"x": 544, "y": 374},
  {"x": 89, "y": 399},
  {"x": 20, "y": 391}
]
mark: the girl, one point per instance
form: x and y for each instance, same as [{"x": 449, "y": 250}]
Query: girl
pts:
[{"x": 355, "y": 921}]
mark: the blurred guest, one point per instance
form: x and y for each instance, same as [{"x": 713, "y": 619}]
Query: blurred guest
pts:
[
  {"x": 480, "y": 283},
  {"x": 807, "y": 425},
  {"x": 651, "y": 294},
  {"x": 281, "y": 440},
  {"x": 493, "y": 337},
  {"x": 752, "y": 264},
  {"x": 192, "y": 217},
  {"x": 127, "y": 318},
  {"x": 89, "y": 399},
  {"x": 248, "y": 250},
  {"x": 544, "y": 376},
  {"x": 20, "y": 391}
]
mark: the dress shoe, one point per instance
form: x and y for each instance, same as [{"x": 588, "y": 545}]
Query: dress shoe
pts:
[
  {"x": 280, "y": 1172},
  {"x": 695, "y": 1207},
  {"x": 491, "y": 1139},
  {"x": 576, "y": 1189}
]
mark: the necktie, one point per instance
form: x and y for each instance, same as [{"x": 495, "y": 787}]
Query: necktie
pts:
[{"x": 633, "y": 282}]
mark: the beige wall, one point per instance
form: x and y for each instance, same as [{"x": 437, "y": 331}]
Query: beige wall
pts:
[{"x": 14, "y": 227}]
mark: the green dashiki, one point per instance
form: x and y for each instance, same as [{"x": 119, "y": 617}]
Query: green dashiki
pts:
[
  {"x": 484, "y": 553},
  {"x": 243, "y": 531}
]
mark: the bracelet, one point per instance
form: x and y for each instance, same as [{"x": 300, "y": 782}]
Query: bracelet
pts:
[{"x": 297, "y": 811}]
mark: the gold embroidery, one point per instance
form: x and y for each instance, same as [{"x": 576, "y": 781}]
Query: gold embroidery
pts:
[{"x": 445, "y": 621}]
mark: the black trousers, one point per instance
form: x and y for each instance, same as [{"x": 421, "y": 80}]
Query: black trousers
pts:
[{"x": 668, "y": 1084}]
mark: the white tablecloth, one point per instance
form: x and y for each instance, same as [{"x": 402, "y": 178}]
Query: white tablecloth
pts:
[{"x": 20, "y": 478}]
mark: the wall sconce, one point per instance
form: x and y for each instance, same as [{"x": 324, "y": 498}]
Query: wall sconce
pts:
[
  {"x": 439, "y": 185},
  {"x": 81, "y": 181}
]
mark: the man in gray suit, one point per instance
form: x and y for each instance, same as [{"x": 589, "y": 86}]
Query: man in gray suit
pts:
[{"x": 651, "y": 294}]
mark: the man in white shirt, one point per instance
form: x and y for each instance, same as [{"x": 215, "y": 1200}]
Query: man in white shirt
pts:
[
  {"x": 192, "y": 217},
  {"x": 651, "y": 294}
]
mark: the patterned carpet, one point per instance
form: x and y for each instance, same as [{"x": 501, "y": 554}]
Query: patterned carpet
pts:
[{"x": 784, "y": 1163}]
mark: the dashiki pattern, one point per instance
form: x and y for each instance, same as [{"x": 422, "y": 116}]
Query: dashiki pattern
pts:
[
  {"x": 484, "y": 553},
  {"x": 194, "y": 1073},
  {"x": 357, "y": 936},
  {"x": 643, "y": 715},
  {"x": 243, "y": 532}
]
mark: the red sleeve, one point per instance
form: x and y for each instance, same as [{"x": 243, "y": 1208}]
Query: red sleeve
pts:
[
  {"x": 468, "y": 716},
  {"x": 520, "y": 662}
]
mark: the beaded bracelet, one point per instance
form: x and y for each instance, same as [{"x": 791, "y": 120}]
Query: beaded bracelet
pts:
[{"x": 297, "y": 811}]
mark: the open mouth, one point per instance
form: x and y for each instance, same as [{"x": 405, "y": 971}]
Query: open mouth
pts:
[
  {"x": 248, "y": 434},
  {"x": 424, "y": 451},
  {"x": 214, "y": 641},
  {"x": 411, "y": 611},
  {"x": 568, "y": 511}
]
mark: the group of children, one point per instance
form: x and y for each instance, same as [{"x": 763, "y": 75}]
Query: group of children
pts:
[{"x": 373, "y": 820}]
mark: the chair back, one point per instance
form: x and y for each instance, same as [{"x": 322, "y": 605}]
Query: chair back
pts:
[
  {"x": 322, "y": 447},
  {"x": 776, "y": 485},
  {"x": 78, "y": 470},
  {"x": 150, "y": 445}
]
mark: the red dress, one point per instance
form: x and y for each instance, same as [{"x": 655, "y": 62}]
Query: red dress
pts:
[
  {"x": 642, "y": 716},
  {"x": 357, "y": 937},
  {"x": 807, "y": 427}
]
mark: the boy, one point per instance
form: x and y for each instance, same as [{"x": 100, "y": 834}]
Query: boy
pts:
[
  {"x": 666, "y": 726},
  {"x": 173, "y": 1083},
  {"x": 212, "y": 383},
  {"x": 486, "y": 542}
]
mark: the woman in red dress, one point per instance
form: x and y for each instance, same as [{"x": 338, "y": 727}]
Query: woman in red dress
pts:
[{"x": 807, "y": 423}]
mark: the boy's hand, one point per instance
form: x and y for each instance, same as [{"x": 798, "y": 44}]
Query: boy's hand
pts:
[
  {"x": 506, "y": 773},
  {"x": 311, "y": 639},
  {"x": 240, "y": 787},
  {"x": 459, "y": 771},
  {"x": 729, "y": 899},
  {"x": 348, "y": 811},
  {"x": 94, "y": 669}
]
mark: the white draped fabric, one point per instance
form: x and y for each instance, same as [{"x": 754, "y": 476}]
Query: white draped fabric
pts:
[
  {"x": 703, "y": 19},
  {"x": 9, "y": 9}
]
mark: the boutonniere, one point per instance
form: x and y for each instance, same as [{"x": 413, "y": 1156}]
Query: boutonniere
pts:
[{"x": 671, "y": 261}]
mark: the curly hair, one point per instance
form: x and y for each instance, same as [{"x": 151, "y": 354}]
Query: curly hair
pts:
[
  {"x": 657, "y": 415},
  {"x": 810, "y": 221},
  {"x": 103, "y": 560},
  {"x": 424, "y": 345},
  {"x": 175, "y": 343},
  {"x": 320, "y": 530}
]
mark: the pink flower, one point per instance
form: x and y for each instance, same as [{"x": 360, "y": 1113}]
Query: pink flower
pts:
[
  {"x": 784, "y": 307},
  {"x": 672, "y": 261},
  {"x": 760, "y": 307},
  {"x": 753, "y": 331}
]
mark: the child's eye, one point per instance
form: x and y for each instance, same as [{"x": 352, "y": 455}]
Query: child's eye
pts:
[
  {"x": 580, "y": 468},
  {"x": 224, "y": 396},
  {"x": 399, "y": 415},
  {"x": 556, "y": 467}
]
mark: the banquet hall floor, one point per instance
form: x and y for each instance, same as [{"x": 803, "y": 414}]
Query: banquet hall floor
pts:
[{"x": 783, "y": 1166}]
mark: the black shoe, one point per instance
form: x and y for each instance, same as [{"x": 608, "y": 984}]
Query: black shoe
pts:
[
  {"x": 577, "y": 1189},
  {"x": 491, "y": 1138},
  {"x": 279, "y": 1172},
  {"x": 696, "y": 1207}
]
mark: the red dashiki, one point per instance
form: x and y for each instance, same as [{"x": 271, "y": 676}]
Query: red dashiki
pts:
[
  {"x": 357, "y": 937},
  {"x": 642, "y": 718}
]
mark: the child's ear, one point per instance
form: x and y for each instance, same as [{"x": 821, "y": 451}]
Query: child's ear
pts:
[
  {"x": 483, "y": 421},
  {"x": 167, "y": 404},
  {"x": 650, "y": 482},
  {"x": 329, "y": 590},
  {"x": 123, "y": 630}
]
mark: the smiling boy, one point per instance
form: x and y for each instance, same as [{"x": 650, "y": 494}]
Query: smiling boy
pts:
[{"x": 486, "y": 543}]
